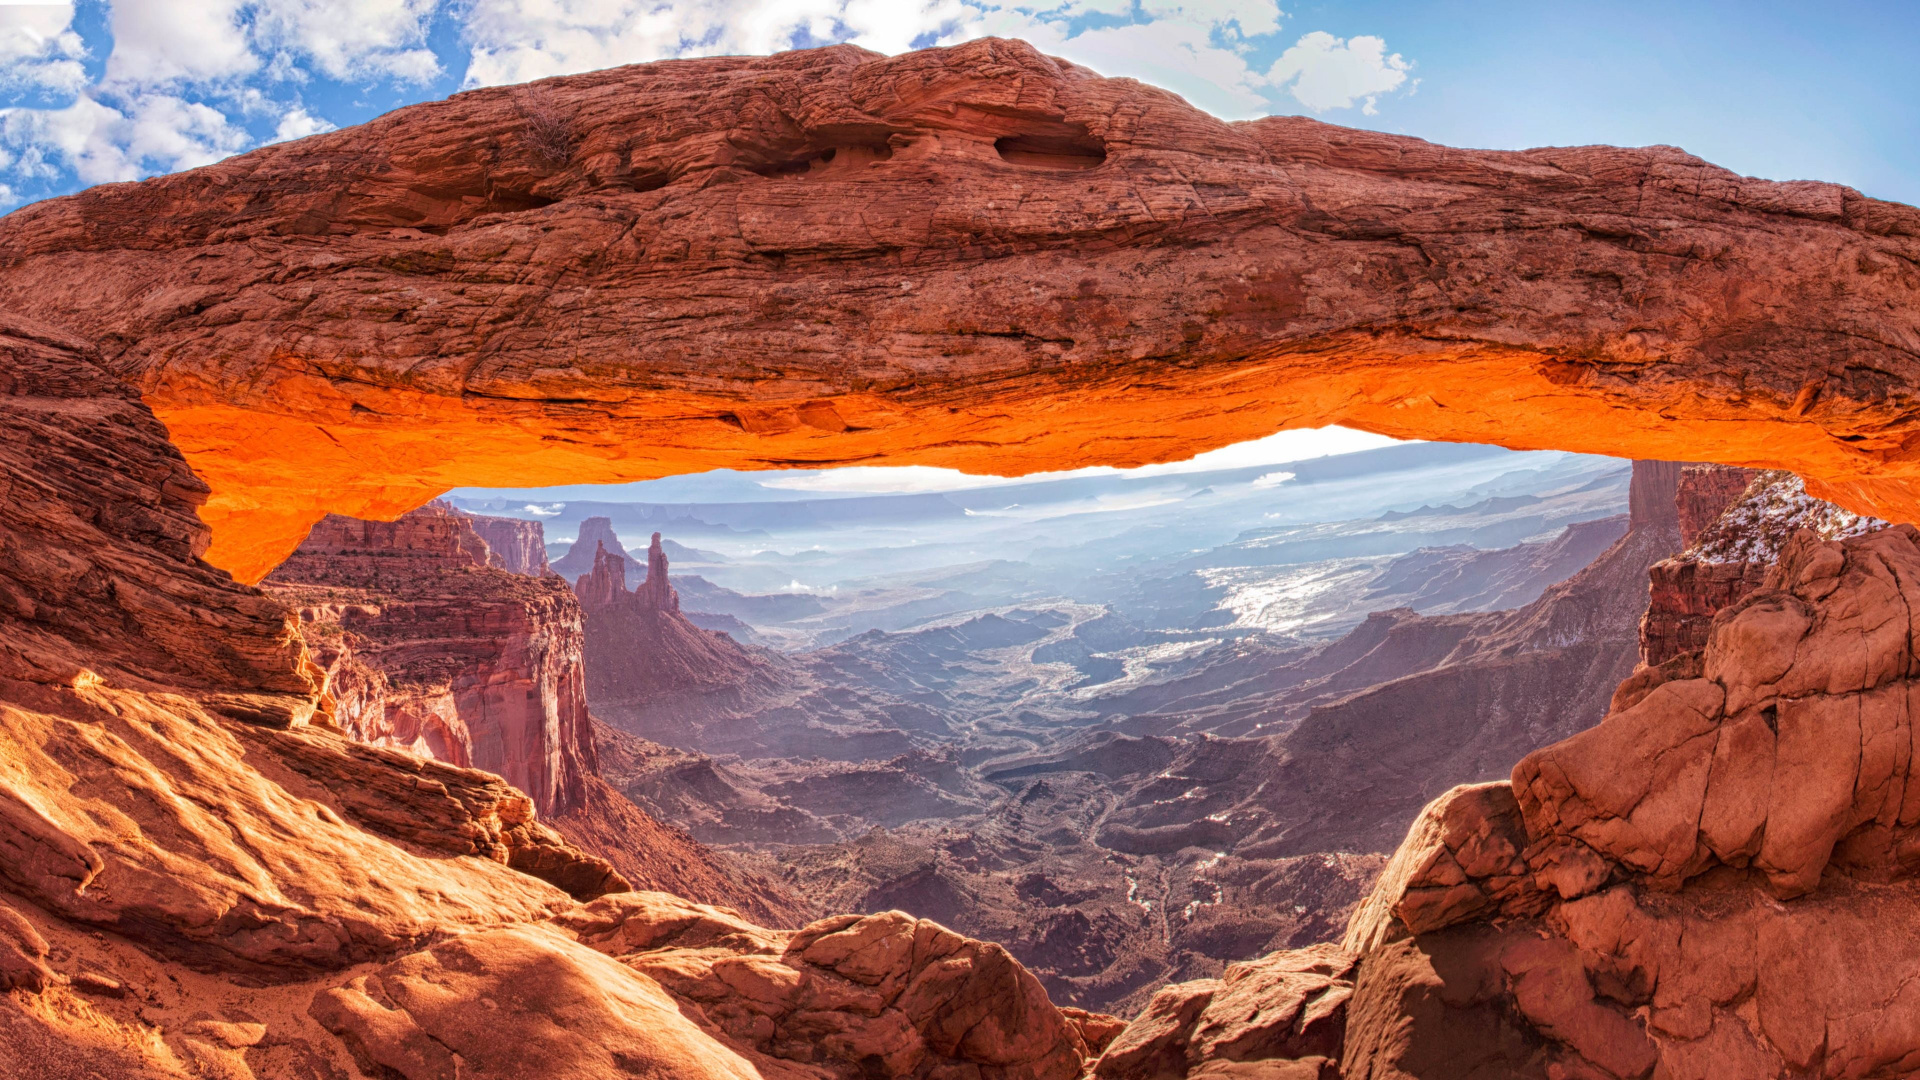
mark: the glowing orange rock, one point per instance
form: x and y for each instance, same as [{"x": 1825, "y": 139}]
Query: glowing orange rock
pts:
[{"x": 976, "y": 257}]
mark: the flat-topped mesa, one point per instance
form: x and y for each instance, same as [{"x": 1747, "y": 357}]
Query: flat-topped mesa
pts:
[
  {"x": 434, "y": 533},
  {"x": 657, "y": 592},
  {"x": 977, "y": 257}
]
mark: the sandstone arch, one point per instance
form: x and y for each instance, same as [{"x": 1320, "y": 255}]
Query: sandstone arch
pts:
[{"x": 831, "y": 257}]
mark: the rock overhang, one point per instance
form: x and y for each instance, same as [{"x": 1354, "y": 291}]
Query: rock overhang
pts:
[{"x": 977, "y": 257}]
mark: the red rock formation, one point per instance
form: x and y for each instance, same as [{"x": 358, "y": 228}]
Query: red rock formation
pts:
[
  {"x": 1618, "y": 909},
  {"x": 1704, "y": 492},
  {"x": 428, "y": 647},
  {"x": 221, "y": 870},
  {"x": 1730, "y": 551},
  {"x": 519, "y": 546},
  {"x": 829, "y": 256},
  {"x": 432, "y": 649},
  {"x": 150, "y": 786},
  {"x": 656, "y": 593},
  {"x": 639, "y": 647}
]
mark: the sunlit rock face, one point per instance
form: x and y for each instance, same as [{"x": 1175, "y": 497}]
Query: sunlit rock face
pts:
[
  {"x": 977, "y": 257},
  {"x": 431, "y": 648},
  {"x": 1718, "y": 880}
]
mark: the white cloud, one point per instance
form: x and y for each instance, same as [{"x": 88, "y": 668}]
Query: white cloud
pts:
[
  {"x": 101, "y": 143},
  {"x": 39, "y": 50},
  {"x": 1325, "y": 72},
  {"x": 298, "y": 123},
  {"x": 352, "y": 39},
  {"x": 518, "y": 40},
  {"x": 161, "y": 42},
  {"x": 173, "y": 42}
]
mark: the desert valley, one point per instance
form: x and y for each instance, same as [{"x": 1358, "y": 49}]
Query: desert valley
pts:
[{"x": 723, "y": 569}]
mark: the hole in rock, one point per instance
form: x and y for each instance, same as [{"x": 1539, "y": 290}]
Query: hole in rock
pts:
[
  {"x": 1078, "y": 151},
  {"x": 833, "y": 160}
]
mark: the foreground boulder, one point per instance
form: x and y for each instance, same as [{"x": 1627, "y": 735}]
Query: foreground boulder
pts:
[
  {"x": 1718, "y": 880},
  {"x": 1282, "y": 1016}
]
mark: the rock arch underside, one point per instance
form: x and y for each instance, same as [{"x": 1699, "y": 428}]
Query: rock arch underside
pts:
[
  {"x": 976, "y": 257},
  {"x": 824, "y": 258}
]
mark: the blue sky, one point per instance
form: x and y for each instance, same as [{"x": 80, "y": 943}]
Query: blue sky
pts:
[{"x": 99, "y": 91}]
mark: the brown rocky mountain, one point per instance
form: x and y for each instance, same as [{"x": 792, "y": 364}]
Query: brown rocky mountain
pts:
[
  {"x": 205, "y": 876},
  {"x": 1730, "y": 551},
  {"x": 428, "y": 645}
]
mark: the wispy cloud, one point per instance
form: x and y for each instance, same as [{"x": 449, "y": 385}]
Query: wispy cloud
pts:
[{"x": 170, "y": 84}]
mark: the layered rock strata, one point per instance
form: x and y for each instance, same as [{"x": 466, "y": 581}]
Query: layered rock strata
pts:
[
  {"x": 976, "y": 257},
  {"x": 187, "y": 882},
  {"x": 517, "y": 545},
  {"x": 429, "y": 647},
  {"x": 161, "y": 729}
]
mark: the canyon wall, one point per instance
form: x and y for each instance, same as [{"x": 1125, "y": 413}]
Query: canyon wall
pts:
[
  {"x": 519, "y": 546},
  {"x": 433, "y": 649},
  {"x": 830, "y": 256}
]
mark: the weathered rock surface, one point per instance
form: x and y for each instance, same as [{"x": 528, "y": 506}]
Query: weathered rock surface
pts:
[
  {"x": 831, "y": 256},
  {"x": 430, "y": 648},
  {"x": 517, "y": 545},
  {"x": 1715, "y": 881},
  {"x": 131, "y": 799},
  {"x": 100, "y": 545},
  {"x": 1287, "y": 1007},
  {"x": 1729, "y": 550},
  {"x": 852, "y": 996}
]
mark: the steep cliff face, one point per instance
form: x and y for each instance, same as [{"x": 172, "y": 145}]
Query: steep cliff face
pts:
[
  {"x": 431, "y": 648},
  {"x": 810, "y": 258},
  {"x": 519, "y": 546},
  {"x": 1718, "y": 880},
  {"x": 640, "y": 646},
  {"x": 182, "y": 825},
  {"x": 1740, "y": 520}
]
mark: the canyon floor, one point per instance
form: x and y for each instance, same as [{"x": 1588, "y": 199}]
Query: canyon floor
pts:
[{"x": 1130, "y": 760}]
